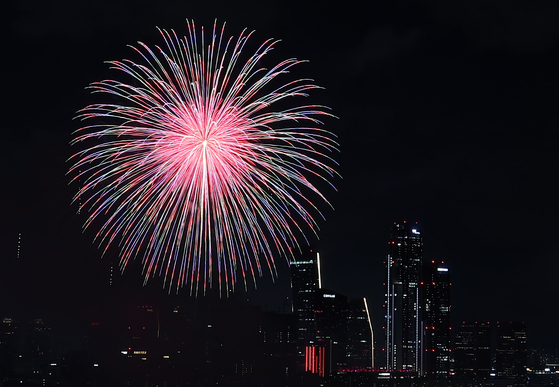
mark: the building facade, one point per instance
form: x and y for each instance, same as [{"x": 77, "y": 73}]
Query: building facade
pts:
[
  {"x": 472, "y": 351},
  {"x": 436, "y": 321},
  {"x": 511, "y": 351},
  {"x": 403, "y": 299},
  {"x": 417, "y": 306},
  {"x": 333, "y": 334},
  {"x": 360, "y": 344},
  {"x": 305, "y": 283}
]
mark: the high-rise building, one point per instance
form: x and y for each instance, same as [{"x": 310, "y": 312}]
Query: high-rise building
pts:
[
  {"x": 305, "y": 283},
  {"x": 332, "y": 333},
  {"x": 472, "y": 351},
  {"x": 436, "y": 320},
  {"x": 331, "y": 316},
  {"x": 511, "y": 356},
  {"x": 403, "y": 299},
  {"x": 359, "y": 347}
]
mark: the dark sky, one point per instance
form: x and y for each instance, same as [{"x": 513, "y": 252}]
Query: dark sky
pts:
[{"x": 447, "y": 116}]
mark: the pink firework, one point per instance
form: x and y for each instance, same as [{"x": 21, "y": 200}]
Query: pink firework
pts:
[{"x": 194, "y": 171}]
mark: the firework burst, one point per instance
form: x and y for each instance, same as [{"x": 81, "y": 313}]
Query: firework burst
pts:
[{"x": 193, "y": 170}]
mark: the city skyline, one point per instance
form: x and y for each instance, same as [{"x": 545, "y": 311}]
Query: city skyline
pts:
[
  {"x": 445, "y": 117},
  {"x": 327, "y": 335}
]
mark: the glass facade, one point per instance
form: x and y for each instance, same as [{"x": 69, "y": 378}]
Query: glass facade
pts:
[{"x": 403, "y": 324}]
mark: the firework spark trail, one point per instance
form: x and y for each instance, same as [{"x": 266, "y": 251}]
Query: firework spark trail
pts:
[{"x": 195, "y": 169}]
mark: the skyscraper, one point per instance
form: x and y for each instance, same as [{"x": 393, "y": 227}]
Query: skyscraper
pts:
[
  {"x": 436, "y": 320},
  {"x": 403, "y": 318},
  {"x": 332, "y": 333},
  {"x": 331, "y": 328},
  {"x": 472, "y": 351},
  {"x": 511, "y": 355},
  {"x": 359, "y": 347},
  {"x": 305, "y": 283}
]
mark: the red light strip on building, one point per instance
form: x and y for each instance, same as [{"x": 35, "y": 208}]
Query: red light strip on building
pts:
[{"x": 315, "y": 358}]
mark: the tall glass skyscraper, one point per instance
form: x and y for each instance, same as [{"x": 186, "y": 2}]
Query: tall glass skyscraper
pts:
[
  {"x": 403, "y": 299},
  {"x": 305, "y": 283},
  {"x": 417, "y": 308},
  {"x": 435, "y": 289}
]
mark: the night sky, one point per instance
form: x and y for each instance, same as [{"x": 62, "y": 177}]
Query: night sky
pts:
[{"x": 447, "y": 116}]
